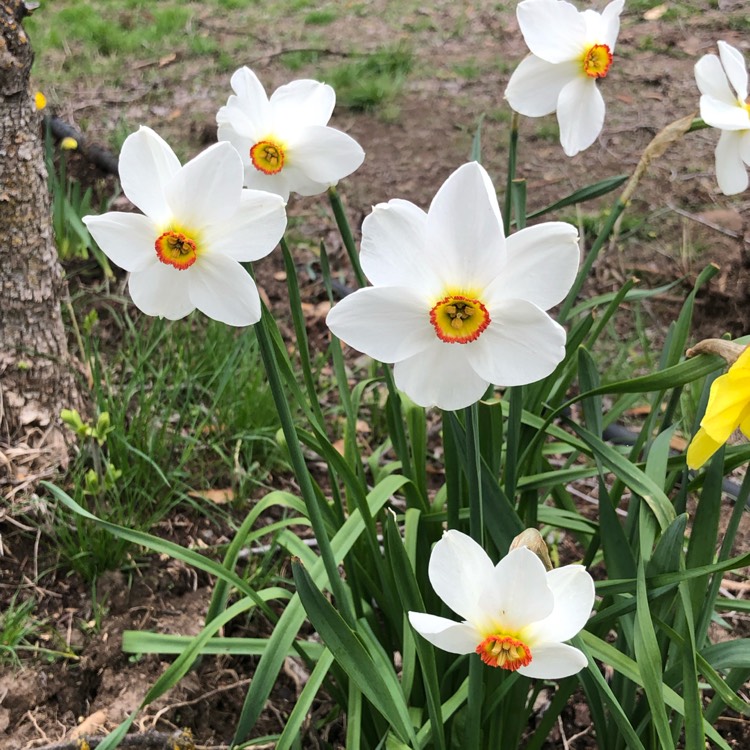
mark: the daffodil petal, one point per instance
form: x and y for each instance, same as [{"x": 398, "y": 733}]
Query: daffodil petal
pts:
[
  {"x": 465, "y": 230},
  {"x": 126, "y": 239},
  {"x": 734, "y": 65},
  {"x": 712, "y": 80},
  {"x": 147, "y": 165},
  {"x": 731, "y": 173},
  {"x": 454, "y": 637},
  {"x": 250, "y": 98},
  {"x": 161, "y": 290},
  {"x": 580, "y": 114},
  {"x": 207, "y": 189},
  {"x": 221, "y": 288},
  {"x": 325, "y": 155},
  {"x": 253, "y": 231},
  {"x": 394, "y": 251},
  {"x": 521, "y": 345},
  {"x": 397, "y": 323},
  {"x": 440, "y": 376},
  {"x": 542, "y": 265},
  {"x": 310, "y": 100},
  {"x": 458, "y": 570},
  {"x": 552, "y": 30},
  {"x": 701, "y": 448},
  {"x": 234, "y": 123},
  {"x": 553, "y": 661},
  {"x": 610, "y": 27},
  {"x": 573, "y": 589},
  {"x": 516, "y": 594},
  {"x": 720, "y": 114},
  {"x": 535, "y": 86},
  {"x": 280, "y": 183},
  {"x": 727, "y": 401}
]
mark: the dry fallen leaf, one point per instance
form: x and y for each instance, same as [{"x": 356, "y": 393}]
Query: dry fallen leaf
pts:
[
  {"x": 655, "y": 13},
  {"x": 90, "y": 725},
  {"x": 218, "y": 497}
]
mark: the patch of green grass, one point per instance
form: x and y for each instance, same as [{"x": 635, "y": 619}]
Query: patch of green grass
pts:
[
  {"x": 321, "y": 17},
  {"x": 469, "y": 69},
  {"x": 297, "y": 59},
  {"x": 17, "y": 626},
  {"x": 371, "y": 80},
  {"x": 188, "y": 409}
]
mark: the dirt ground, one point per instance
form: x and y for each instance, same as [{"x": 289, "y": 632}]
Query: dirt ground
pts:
[{"x": 678, "y": 222}]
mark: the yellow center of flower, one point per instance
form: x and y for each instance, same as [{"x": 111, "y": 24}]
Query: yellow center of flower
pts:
[
  {"x": 458, "y": 319},
  {"x": 176, "y": 249},
  {"x": 267, "y": 157},
  {"x": 597, "y": 60},
  {"x": 505, "y": 652}
]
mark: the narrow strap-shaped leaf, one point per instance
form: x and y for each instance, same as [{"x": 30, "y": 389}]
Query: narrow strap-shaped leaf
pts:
[{"x": 378, "y": 686}]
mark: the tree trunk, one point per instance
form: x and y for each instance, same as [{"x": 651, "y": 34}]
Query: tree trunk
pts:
[{"x": 36, "y": 379}]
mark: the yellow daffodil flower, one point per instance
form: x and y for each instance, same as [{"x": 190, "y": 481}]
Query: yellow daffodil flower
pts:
[{"x": 728, "y": 409}]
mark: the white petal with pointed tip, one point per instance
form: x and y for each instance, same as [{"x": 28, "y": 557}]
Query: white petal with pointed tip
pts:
[
  {"x": 734, "y": 65},
  {"x": 251, "y": 98},
  {"x": 394, "y": 251},
  {"x": 553, "y": 661},
  {"x": 611, "y": 24},
  {"x": 325, "y": 155},
  {"x": 465, "y": 230},
  {"x": 712, "y": 80},
  {"x": 161, "y": 290},
  {"x": 147, "y": 164},
  {"x": 253, "y": 231},
  {"x": 454, "y": 637},
  {"x": 552, "y": 29},
  {"x": 719, "y": 114},
  {"x": 207, "y": 189},
  {"x": 580, "y": 113},
  {"x": 440, "y": 376},
  {"x": 128, "y": 240},
  {"x": 397, "y": 323},
  {"x": 516, "y": 593},
  {"x": 222, "y": 289},
  {"x": 303, "y": 102},
  {"x": 731, "y": 173},
  {"x": 521, "y": 345},
  {"x": 535, "y": 86},
  {"x": 573, "y": 590},
  {"x": 459, "y": 569},
  {"x": 542, "y": 265},
  {"x": 234, "y": 121}
]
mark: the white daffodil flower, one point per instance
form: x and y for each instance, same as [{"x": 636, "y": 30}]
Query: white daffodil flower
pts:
[
  {"x": 570, "y": 52},
  {"x": 722, "y": 82},
  {"x": 516, "y": 614},
  {"x": 284, "y": 141},
  {"x": 455, "y": 305},
  {"x": 198, "y": 224}
]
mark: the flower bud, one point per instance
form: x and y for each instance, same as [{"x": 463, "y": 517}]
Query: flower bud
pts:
[{"x": 532, "y": 540}]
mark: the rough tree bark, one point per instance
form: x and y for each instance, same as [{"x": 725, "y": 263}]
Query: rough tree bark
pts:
[{"x": 36, "y": 379}]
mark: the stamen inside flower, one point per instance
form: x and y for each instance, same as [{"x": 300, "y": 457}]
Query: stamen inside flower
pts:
[
  {"x": 176, "y": 249},
  {"x": 505, "y": 652},
  {"x": 458, "y": 319},
  {"x": 267, "y": 157},
  {"x": 597, "y": 60}
]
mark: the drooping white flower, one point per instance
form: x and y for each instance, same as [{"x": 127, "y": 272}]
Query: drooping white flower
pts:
[
  {"x": 722, "y": 82},
  {"x": 516, "y": 614},
  {"x": 198, "y": 224},
  {"x": 454, "y": 304},
  {"x": 285, "y": 143},
  {"x": 570, "y": 52}
]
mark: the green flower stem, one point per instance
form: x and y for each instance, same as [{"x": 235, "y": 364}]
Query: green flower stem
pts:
[
  {"x": 512, "y": 151},
  {"x": 298, "y": 320},
  {"x": 473, "y": 726},
  {"x": 474, "y": 475},
  {"x": 591, "y": 257},
  {"x": 300, "y": 467},
  {"x": 346, "y": 234}
]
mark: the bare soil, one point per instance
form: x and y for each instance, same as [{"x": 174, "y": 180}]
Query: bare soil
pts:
[{"x": 678, "y": 222}]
